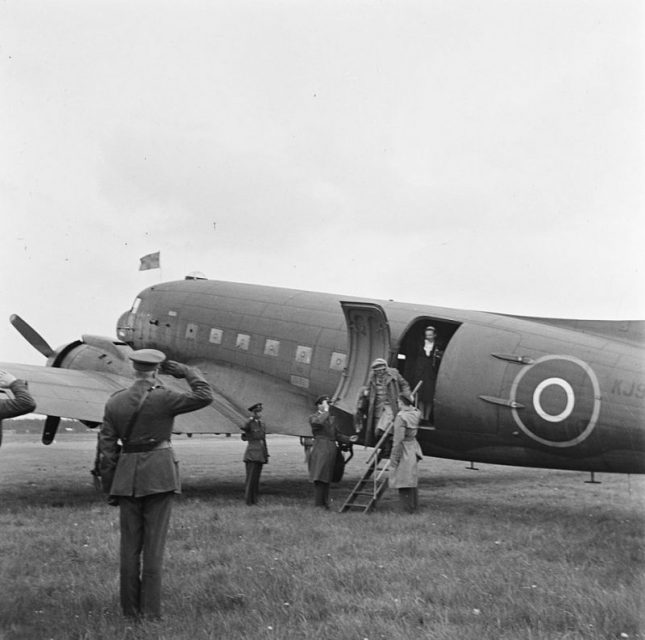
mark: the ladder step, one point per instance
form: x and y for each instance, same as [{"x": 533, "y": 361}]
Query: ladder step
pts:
[{"x": 372, "y": 485}]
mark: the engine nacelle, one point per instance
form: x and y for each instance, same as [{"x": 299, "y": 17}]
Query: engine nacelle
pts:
[{"x": 93, "y": 353}]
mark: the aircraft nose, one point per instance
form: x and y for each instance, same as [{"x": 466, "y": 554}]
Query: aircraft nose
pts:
[{"x": 125, "y": 328}]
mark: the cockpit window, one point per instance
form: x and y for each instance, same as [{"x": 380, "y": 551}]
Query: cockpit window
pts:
[{"x": 135, "y": 305}]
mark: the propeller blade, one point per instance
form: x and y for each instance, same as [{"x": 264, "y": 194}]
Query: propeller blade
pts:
[
  {"x": 51, "y": 426},
  {"x": 31, "y": 336}
]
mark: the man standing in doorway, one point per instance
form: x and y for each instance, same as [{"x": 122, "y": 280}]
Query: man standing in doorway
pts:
[{"x": 424, "y": 370}]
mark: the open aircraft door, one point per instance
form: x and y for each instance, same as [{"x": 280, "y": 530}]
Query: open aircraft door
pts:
[{"x": 369, "y": 338}]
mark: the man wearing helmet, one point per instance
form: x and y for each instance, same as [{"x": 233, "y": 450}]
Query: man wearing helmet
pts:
[{"x": 380, "y": 398}]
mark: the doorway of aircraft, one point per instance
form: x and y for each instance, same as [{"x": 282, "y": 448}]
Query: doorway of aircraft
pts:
[
  {"x": 419, "y": 361},
  {"x": 369, "y": 337},
  {"x": 413, "y": 340}
]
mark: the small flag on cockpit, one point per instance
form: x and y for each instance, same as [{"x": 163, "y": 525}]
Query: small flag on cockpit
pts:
[{"x": 151, "y": 261}]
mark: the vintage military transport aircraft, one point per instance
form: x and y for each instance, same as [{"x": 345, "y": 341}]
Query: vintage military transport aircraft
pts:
[{"x": 565, "y": 394}]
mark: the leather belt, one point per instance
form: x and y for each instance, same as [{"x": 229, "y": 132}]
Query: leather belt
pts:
[{"x": 143, "y": 447}]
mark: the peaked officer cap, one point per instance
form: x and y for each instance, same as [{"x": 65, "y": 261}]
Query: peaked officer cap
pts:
[
  {"x": 255, "y": 407},
  {"x": 379, "y": 362},
  {"x": 319, "y": 399},
  {"x": 147, "y": 359}
]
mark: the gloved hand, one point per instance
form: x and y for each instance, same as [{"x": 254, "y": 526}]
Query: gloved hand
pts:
[
  {"x": 6, "y": 379},
  {"x": 174, "y": 369}
]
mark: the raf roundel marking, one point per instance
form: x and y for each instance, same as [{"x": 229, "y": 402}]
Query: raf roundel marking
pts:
[
  {"x": 537, "y": 394},
  {"x": 561, "y": 399}
]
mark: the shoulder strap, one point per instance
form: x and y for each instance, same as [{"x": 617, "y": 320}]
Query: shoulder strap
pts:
[{"x": 133, "y": 418}]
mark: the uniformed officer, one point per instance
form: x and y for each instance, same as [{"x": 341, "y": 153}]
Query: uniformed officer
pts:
[
  {"x": 324, "y": 450},
  {"x": 256, "y": 453},
  {"x": 21, "y": 403},
  {"x": 144, "y": 476}
]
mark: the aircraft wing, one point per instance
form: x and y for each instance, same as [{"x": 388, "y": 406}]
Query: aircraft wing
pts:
[
  {"x": 82, "y": 394},
  {"x": 68, "y": 393}
]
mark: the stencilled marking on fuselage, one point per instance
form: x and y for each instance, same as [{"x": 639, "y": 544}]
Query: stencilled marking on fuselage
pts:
[{"x": 628, "y": 389}]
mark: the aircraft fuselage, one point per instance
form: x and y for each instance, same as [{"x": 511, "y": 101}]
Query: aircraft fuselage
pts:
[{"x": 509, "y": 390}]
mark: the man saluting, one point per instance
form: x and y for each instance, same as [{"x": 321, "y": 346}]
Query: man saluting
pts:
[
  {"x": 144, "y": 476},
  {"x": 21, "y": 403}
]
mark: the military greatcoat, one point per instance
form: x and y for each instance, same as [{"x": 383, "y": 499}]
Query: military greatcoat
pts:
[{"x": 323, "y": 452}]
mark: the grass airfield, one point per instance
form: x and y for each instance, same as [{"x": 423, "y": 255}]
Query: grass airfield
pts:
[{"x": 498, "y": 553}]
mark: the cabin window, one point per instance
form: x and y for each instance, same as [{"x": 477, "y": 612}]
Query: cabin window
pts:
[
  {"x": 303, "y": 355},
  {"x": 271, "y": 347},
  {"x": 299, "y": 381},
  {"x": 338, "y": 361},
  {"x": 191, "y": 331},
  {"x": 215, "y": 336},
  {"x": 242, "y": 341}
]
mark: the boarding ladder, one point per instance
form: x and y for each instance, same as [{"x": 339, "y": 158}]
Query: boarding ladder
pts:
[{"x": 372, "y": 485}]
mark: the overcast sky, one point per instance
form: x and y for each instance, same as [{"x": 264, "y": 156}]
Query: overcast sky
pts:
[{"x": 481, "y": 155}]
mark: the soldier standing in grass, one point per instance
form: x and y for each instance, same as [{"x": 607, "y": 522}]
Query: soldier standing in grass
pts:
[
  {"x": 406, "y": 453},
  {"x": 256, "y": 453},
  {"x": 143, "y": 477},
  {"x": 21, "y": 403},
  {"x": 324, "y": 451}
]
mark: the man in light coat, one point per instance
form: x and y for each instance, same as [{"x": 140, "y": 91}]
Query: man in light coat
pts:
[
  {"x": 144, "y": 476},
  {"x": 406, "y": 453}
]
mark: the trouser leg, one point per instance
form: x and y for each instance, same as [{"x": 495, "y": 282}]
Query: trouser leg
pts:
[
  {"x": 253, "y": 471},
  {"x": 414, "y": 498},
  {"x": 156, "y": 515},
  {"x": 384, "y": 421},
  {"x": 131, "y": 524},
  {"x": 248, "y": 486},
  {"x": 407, "y": 499},
  {"x": 256, "y": 480},
  {"x": 321, "y": 490}
]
